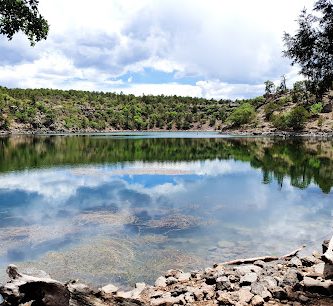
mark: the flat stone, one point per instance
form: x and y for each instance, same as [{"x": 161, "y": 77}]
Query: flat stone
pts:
[
  {"x": 248, "y": 279},
  {"x": 165, "y": 301},
  {"x": 248, "y": 268},
  {"x": 309, "y": 261},
  {"x": 108, "y": 289},
  {"x": 318, "y": 285}
]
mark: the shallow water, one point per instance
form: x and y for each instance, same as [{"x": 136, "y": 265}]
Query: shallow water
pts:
[{"x": 124, "y": 208}]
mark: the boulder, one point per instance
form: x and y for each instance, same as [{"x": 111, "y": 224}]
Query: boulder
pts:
[{"x": 248, "y": 279}]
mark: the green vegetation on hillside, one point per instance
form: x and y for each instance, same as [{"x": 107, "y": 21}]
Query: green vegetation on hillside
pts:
[
  {"x": 49, "y": 110},
  {"x": 59, "y": 110}
]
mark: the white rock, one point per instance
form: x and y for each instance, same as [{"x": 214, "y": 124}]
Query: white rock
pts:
[
  {"x": 109, "y": 289},
  {"x": 245, "y": 296},
  {"x": 184, "y": 277},
  {"x": 248, "y": 279},
  {"x": 161, "y": 282}
]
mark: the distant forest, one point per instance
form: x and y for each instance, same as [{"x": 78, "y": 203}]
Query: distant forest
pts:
[{"x": 60, "y": 110}]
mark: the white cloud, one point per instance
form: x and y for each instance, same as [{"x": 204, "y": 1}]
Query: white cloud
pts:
[{"x": 230, "y": 47}]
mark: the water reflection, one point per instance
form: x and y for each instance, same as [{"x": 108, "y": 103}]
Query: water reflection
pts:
[{"x": 102, "y": 209}]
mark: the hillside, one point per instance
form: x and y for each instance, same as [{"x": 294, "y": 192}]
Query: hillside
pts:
[{"x": 57, "y": 111}]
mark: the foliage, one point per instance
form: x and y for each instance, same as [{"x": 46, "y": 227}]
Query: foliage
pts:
[
  {"x": 243, "y": 114},
  {"x": 269, "y": 87},
  {"x": 300, "y": 91},
  {"x": 312, "y": 46},
  {"x": 22, "y": 15},
  {"x": 316, "y": 108},
  {"x": 48, "y": 109},
  {"x": 295, "y": 119},
  {"x": 270, "y": 108}
]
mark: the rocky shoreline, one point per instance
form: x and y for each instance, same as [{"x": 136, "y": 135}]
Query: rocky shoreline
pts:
[
  {"x": 235, "y": 133},
  {"x": 287, "y": 280}
]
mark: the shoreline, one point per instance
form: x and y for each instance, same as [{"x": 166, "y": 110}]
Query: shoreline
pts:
[
  {"x": 227, "y": 133},
  {"x": 286, "y": 280}
]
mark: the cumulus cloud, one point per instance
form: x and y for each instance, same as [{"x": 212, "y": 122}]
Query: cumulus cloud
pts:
[{"x": 230, "y": 48}]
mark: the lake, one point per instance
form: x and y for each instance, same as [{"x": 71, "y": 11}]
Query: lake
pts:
[{"x": 126, "y": 207}]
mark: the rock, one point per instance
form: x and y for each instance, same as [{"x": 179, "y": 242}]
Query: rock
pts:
[
  {"x": 291, "y": 277},
  {"x": 295, "y": 262},
  {"x": 318, "y": 285},
  {"x": 260, "y": 263},
  {"x": 233, "y": 278},
  {"x": 223, "y": 283},
  {"x": 309, "y": 261},
  {"x": 189, "y": 297},
  {"x": 248, "y": 279},
  {"x": 303, "y": 298},
  {"x": 257, "y": 301},
  {"x": 247, "y": 269},
  {"x": 208, "y": 291},
  {"x": 327, "y": 107},
  {"x": 328, "y": 271},
  {"x": 24, "y": 288},
  {"x": 225, "y": 298},
  {"x": 270, "y": 282},
  {"x": 258, "y": 288},
  {"x": 109, "y": 289},
  {"x": 245, "y": 296},
  {"x": 161, "y": 282},
  {"x": 319, "y": 268},
  {"x": 266, "y": 295},
  {"x": 316, "y": 254},
  {"x": 165, "y": 301},
  {"x": 198, "y": 293},
  {"x": 279, "y": 294},
  {"x": 183, "y": 277}
]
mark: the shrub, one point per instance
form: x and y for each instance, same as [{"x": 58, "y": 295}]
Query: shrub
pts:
[
  {"x": 269, "y": 109},
  {"x": 295, "y": 119},
  {"x": 243, "y": 114},
  {"x": 316, "y": 108}
]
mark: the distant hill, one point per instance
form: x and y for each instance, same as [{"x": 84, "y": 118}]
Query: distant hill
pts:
[{"x": 54, "y": 111}]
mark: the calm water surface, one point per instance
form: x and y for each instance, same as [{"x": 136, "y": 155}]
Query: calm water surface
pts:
[{"x": 124, "y": 208}]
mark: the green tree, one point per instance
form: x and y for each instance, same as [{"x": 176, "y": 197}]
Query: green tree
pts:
[
  {"x": 22, "y": 15},
  {"x": 269, "y": 87},
  {"x": 312, "y": 46},
  {"x": 243, "y": 114}
]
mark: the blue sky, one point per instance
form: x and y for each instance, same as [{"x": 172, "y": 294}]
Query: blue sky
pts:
[{"x": 206, "y": 48}]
